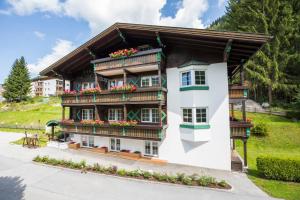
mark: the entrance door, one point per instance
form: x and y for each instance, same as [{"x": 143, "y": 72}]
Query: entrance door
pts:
[{"x": 115, "y": 144}]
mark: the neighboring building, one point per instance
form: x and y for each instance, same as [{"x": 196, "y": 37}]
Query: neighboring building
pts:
[
  {"x": 182, "y": 98},
  {"x": 1, "y": 93},
  {"x": 47, "y": 86}
]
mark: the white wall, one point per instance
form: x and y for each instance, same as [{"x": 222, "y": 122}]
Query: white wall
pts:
[
  {"x": 49, "y": 87},
  {"x": 214, "y": 153}
]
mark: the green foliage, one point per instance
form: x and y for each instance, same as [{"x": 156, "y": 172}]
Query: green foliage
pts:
[
  {"x": 293, "y": 114},
  {"x": 122, "y": 172},
  {"x": 274, "y": 69},
  {"x": 147, "y": 175},
  {"x": 17, "y": 85},
  {"x": 187, "y": 181},
  {"x": 260, "y": 129},
  {"x": 279, "y": 169}
]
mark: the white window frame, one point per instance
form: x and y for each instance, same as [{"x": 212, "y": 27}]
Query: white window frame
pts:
[
  {"x": 89, "y": 113},
  {"x": 151, "y": 148},
  {"x": 116, "y": 83},
  {"x": 193, "y": 77},
  {"x": 87, "y": 84},
  {"x": 89, "y": 144},
  {"x": 150, "y": 115},
  {"x": 116, "y": 147},
  {"x": 116, "y": 114},
  {"x": 194, "y": 119},
  {"x": 150, "y": 80}
]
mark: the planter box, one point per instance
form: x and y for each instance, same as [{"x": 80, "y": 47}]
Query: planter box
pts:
[
  {"x": 100, "y": 150},
  {"x": 129, "y": 154},
  {"x": 74, "y": 146}
]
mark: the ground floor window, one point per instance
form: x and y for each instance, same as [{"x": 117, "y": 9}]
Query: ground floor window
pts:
[
  {"x": 87, "y": 141},
  {"x": 151, "y": 148},
  {"x": 115, "y": 144}
]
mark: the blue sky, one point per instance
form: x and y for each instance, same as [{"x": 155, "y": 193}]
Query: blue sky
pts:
[{"x": 44, "y": 31}]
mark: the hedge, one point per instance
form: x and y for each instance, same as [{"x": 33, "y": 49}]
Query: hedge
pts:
[{"x": 278, "y": 168}]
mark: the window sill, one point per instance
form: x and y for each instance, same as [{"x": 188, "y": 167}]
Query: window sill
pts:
[
  {"x": 193, "y": 126},
  {"x": 194, "y": 87}
]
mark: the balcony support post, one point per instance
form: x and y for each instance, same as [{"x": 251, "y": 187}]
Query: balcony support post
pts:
[
  {"x": 233, "y": 144},
  {"x": 63, "y": 113},
  {"x": 244, "y": 110},
  {"x": 232, "y": 110},
  {"x": 124, "y": 77},
  {"x": 242, "y": 75},
  {"x": 64, "y": 84},
  {"x": 96, "y": 81},
  {"x": 97, "y": 113},
  {"x": 125, "y": 112},
  {"x": 160, "y": 114},
  {"x": 159, "y": 75},
  {"x": 245, "y": 152}
]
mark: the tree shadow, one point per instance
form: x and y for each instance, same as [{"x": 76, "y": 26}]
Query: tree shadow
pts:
[{"x": 12, "y": 188}]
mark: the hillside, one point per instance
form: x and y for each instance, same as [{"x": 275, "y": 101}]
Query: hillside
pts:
[{"x": 35, "y": 112}]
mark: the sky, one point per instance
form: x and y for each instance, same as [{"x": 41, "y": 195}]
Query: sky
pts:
[{"x": 43, "y": 31}]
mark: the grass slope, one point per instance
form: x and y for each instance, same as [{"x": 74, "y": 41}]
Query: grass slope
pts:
[
  {"x": 284, "y": 142},
  {"x": 35, "y": 112}
]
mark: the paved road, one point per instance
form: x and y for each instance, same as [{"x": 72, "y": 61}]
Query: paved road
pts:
[{"x": 22, "y": 179}]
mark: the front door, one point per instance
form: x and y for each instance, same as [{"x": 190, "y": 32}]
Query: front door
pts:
[{"x": 115, "y": 144}]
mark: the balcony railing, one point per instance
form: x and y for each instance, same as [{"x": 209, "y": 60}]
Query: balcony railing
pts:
[
  {"x": 140, "y": 58},
  {"x": 142, "y": 132},
  {"x": 239, "y": 129},
  {"x": 140, "y": 96},
  {"x": 238, "y": 92}
]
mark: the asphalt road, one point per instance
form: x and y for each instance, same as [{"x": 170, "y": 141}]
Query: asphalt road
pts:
[{"x": 20, "y": 178}]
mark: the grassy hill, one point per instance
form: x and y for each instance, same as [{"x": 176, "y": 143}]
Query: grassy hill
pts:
[
  {"x": 283, "y": 141},
  {"x": 35, "y": 112}
]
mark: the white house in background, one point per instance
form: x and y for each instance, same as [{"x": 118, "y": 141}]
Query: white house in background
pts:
[
  {"x": 47, "y": 86},
  {"x": 179, "y": 93}
]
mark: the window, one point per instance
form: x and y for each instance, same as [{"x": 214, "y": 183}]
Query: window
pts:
[
  {"x": 193, "y": 77},
  {"x": 150, "y": 115},
  {"x": 187, "y": 115},
  {"x": 115, "y": 114},
  {"x": 199, "y": 77},
  {"x": 87, "y": 85},
  {"x": 87, "y": 141},
  {"x": 201, "y": 115},
  {"x": 115, "y": 144},
  {"x": 113, "y": 83},
  {"x": 186, "y": 79},
  {"x": 149, "y": 81},
  {"x": 194, "y": 115},
  {"x": 151, "y": 148},
  {"x": 87, "y": 114}
]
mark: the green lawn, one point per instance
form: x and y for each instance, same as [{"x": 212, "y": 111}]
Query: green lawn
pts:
[
  {"x": 36, "y": 112},
  {"x": 284, "y": 142}
]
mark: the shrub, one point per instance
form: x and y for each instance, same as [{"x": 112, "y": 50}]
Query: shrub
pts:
[
  {"x": 112, "y": 169},
  {"x": 223, "y": 184},
  {"x": 206, "y": 180},
  {"x": 180, "y": 176},
  {"x": 260, "y": 129},
  {"x": 279, "y": 169},
  {"x": 293, "y": 114},
  {"x": 187, "y": 181},
  {"x": 134, "y": 173},
  {"x": 147, "y": 175},
  {"x": 122, "y": 172}
]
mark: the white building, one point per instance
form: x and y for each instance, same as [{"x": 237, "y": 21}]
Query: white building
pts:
[
  {"x": 182, "y": 99},
  {"x": 47, "y": 86}
]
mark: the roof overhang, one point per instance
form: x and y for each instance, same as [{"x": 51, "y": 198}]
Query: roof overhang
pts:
[{"x": 237, "y": 47}]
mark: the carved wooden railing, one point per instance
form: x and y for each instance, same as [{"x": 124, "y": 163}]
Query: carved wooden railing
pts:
[
  {"x": 140, "y": 58},
  {"x": 238, "y": 92},
  {"x": 140, "y": 96},
  {"x": 142, "y": 132},
  {"x": 240, "y": 129}
]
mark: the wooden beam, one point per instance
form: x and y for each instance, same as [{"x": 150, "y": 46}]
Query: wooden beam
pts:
[
  {"x": 125, "y": 112},
  {"x": 227, "y": 50},
  {"x": 245, "y": 153},
  {"x": 158, "y": 39},
  {"x": 91, "y": 53},
  {"x": 122, "y": 36}
]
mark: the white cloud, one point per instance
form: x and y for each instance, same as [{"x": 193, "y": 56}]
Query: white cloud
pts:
[
  {"x": 61, "y": 48},
  {"x": 101, "y": 14},
  {"x": 39, "y": 34},
  {"x": 221, "y": 3}
]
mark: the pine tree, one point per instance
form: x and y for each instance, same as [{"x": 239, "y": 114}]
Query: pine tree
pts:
[{"x": 17, "y": 85}]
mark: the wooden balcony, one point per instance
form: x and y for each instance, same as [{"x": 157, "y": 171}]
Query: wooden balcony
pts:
[
  {"x": 238, "y": 92},
  {"x": 148, "y": 60},
  {"x": 140, "y": 96},
  {"x": 141, "y": 132},
  {"x": 240, "y": 129}
]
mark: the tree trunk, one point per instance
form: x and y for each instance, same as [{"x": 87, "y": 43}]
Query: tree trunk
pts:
[{"x": 270, "y": 94}]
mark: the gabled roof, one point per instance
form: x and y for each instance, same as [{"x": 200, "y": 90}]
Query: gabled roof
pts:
[{"x": 124, "y": 35}]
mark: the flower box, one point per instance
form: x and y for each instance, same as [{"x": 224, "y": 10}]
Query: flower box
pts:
[
  {"x": 74, "y": 145},
  {"x": 123, "y": 53},
  {"x": 123, "y": 123},
  {"x": 130, "y": 154},
  {"x": 96, "y": 90},
  {"x": 100, "y": 150},
  {"x": 123, "y": 88}
]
